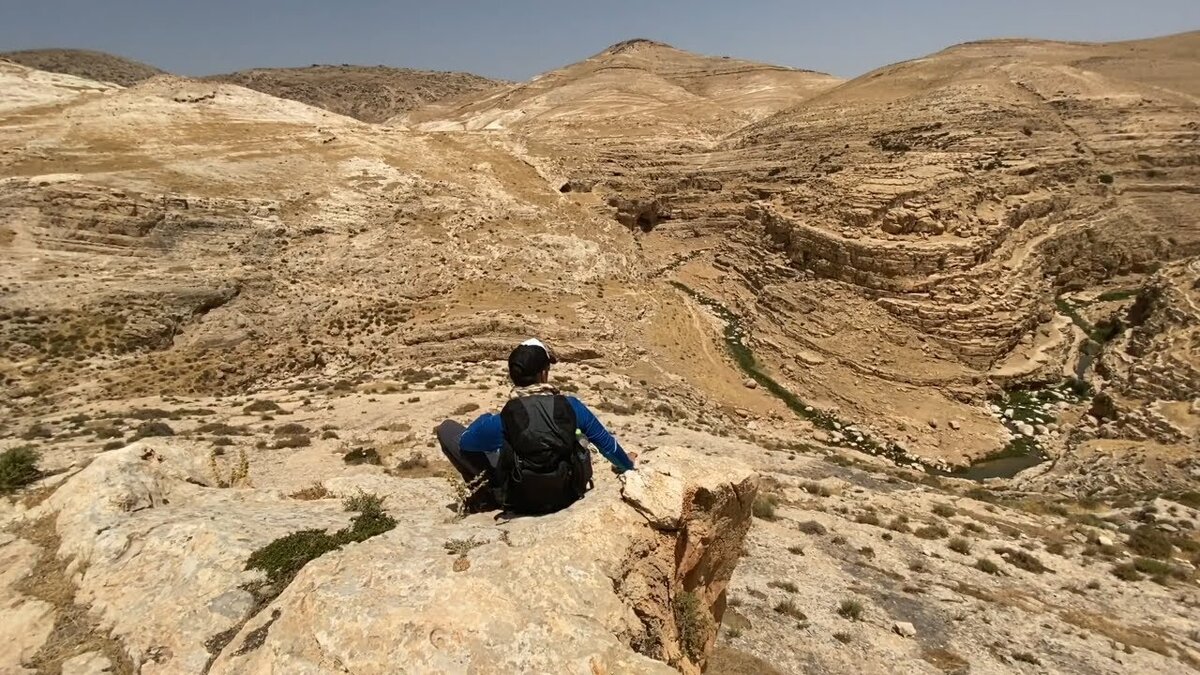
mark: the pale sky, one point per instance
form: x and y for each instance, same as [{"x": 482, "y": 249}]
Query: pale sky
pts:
[{"x": 516, "y": 39}]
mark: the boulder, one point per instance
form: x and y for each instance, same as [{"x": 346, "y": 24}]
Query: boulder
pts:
[{"x": 630, "y": 579}]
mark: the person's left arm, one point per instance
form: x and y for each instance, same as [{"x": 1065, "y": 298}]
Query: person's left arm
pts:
[
  {"x": 599, "y": 436},
  {"x": 486, "y": 434}
]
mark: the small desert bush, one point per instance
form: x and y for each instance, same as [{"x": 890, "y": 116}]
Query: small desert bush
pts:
[
  {"x": 850, "y": 609},
  {"x": 152, "y": 429},
  {"x": 796, "y": 550},
  {"x": 1150, "y": 542},
  {"x": 18, "y": 468},
  {"x": 960, "y": 545},
  {"x": 818, "y": 489},
  {"x": 784, "y": 586},
  {"x": 1126, "y": 572},
  {"x": 314, "y": 491},
  {"x": 899, "y": 524},
  {"x": 1159, "y": 571},
  {"x": 291, "y": 429},
  {"x": 868, "y": 518},
  {"x": 466, "y": 408},
  {"x": 788, "y": 608},
  {"x": 1022, "y": 559},
  {"x": 265, "y": 406},
  {"x": 764, "y": 506},
  {"x": 811, "y": 527},
  {"x": 987, "y": 566},
  {"x": 693, "y": 623},
  {"x": 844, "y": 638},
  {"x": 293, "y": 441},
  {"x": 362, "y": 456},
  {"x": 944, "y": 510},
  {"x": 1056, "y": 548},
  {"x": 932, "y": 532},
  {"x": 281, "y": 559}
]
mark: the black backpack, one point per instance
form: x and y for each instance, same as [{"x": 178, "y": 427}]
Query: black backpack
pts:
[{"x": 542, "y": 466}]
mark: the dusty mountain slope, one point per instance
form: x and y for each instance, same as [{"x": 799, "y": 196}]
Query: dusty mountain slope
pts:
[
  {"x": 83, "y": 63},
  {"x": 948, "y": 201},
  {"x": 368, "y": 93},
  {"x": 638, "y": 87},
  {"x": 885, "y": 261}
]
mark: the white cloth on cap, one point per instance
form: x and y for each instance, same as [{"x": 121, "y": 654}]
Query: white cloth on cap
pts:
[{"x": 534, "y": 342}]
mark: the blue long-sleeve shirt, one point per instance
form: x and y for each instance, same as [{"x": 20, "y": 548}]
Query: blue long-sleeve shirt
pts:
[{"x": 486, "y": 434}]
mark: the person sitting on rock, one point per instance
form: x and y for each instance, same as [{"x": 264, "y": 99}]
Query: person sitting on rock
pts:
[{"x": 528, "y": 459}]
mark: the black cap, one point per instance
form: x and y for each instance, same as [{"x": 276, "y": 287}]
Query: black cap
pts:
[{"x": 528, "y": 360}]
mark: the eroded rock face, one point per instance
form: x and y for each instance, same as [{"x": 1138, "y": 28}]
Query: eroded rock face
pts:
[{"x": 159, "y": 555}]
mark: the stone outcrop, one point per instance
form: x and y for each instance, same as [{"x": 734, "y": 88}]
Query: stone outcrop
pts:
[{"x": 159, "y": 554}]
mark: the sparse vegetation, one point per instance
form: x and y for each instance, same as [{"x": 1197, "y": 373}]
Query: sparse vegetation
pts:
[
  {"x": 960, "y": 545},
  {"x": 466, "y": 408},
  {"x": 239, "y": 474},
  {"x": 788, "y": 608},
  {"x": 850, "y": 609},
  {"x": 843, "y": 638},
  {"x": 364, "y": 455},
  {"x": 18, "y": 468},
  {"x": 263, "y": 406},
  {"x": 818, "y": 489},
  {"x": 150, "y": 430},
  {"x": 944, "y": 510},
  {"x": 1022, "y": 559},
  {"x": 868, "y": 518},
  {"x": 932, "y": 532},
  {"x": 293, "y": 441},
  {"x": 693, "y": 623},
  {"x": 461, "y": 547},
  {"x": 1106, "y": 178},
  {"x": 811, "y": 527},
  {"x": 314, "y": 491},
  {"x": 283, "y": 558},
  {"x": 899, "y": 524},
  {"x": 796, "y": 550},
  {"x": 987, "y": 566},
  {"x": 764, "y": 506},
  {"x": 1150, "y": 542},
  {"x": 784, "y": 586}
]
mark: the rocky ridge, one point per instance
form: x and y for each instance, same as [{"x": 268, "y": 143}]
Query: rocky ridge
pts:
[{"x": 276, "y": 301}]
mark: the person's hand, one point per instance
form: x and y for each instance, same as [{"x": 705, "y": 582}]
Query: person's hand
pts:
[{"x": 632, "y": 456}]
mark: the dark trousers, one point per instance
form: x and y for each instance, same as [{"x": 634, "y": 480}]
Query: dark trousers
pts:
[{"x": 468, "y": 464}]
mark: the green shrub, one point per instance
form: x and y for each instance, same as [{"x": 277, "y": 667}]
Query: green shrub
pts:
[
  {"x": 1150, "y": 542},
  {"x": 1158, "y": 570},
  {"x": 18, "y": 468},
  {"x": 283, "y": 558},
  {"x": 693, "y": 622},
  {"x": 960, "y": 545},
  {"x": 764, "y": 506},
  {"x": 851, "y": 609}
]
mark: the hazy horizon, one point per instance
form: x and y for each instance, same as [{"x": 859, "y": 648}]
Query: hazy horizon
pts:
[{"x": 519, "y": 39}]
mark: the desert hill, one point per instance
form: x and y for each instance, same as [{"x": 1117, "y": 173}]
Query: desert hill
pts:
[
  {"x": 228, "y": 321},
  {"x": 90, "y": 65},
  {"x": 637, "y": 87},
  {"x": 368, "y": 93}
]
